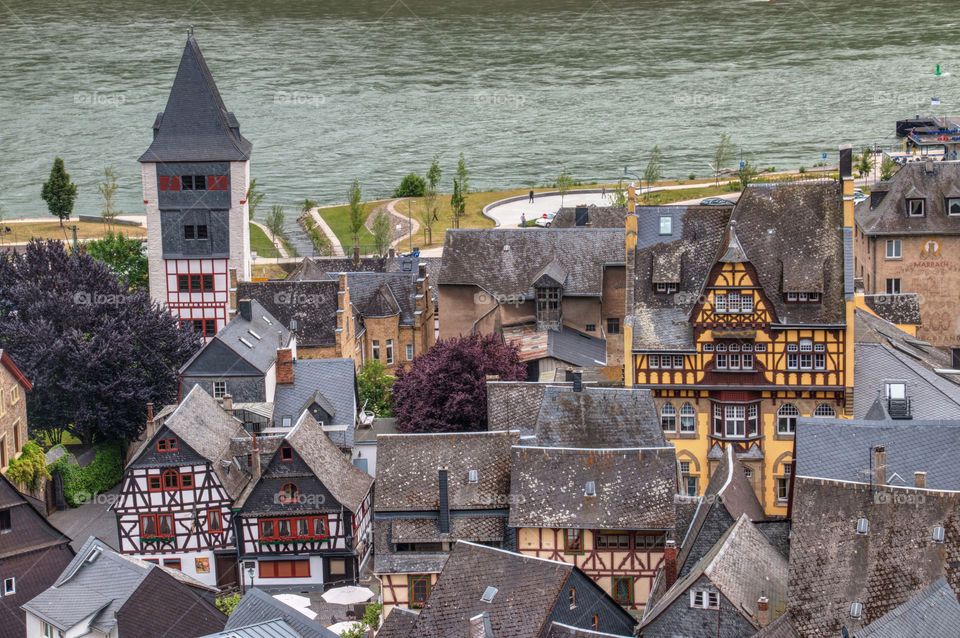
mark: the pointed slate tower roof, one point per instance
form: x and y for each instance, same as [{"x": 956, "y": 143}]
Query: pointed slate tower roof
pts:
[
  {"x": 734, "y": 252},
  {"x": 196, "y": 126},
  {"x": 382, "y": 304}
]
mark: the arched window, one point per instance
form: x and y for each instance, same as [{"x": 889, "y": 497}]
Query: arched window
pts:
[
  {"x": 668, "y": 417},
  {"x": 787, "y": 419},
  {"x": 171, "y": 480},
  {"x": 824, "y": 410},
  {"x": 289, "y": 493},
  {"x": 688, "y": 418}
]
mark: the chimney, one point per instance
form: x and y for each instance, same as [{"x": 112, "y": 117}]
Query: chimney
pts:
[
  {"x": 955, "y": 357},
  {"x": 255, "y": 460},
  {"x": 284, "y": 366},
  {"x": 149, "y": 411},
  {"x": 444, "y": 521},
  {"x": 670, "y": 563},
  {"x": 763, "y": 611},
  {"x": 480, "y": 626},
  {"x": 151, "y": 428},
  {"x": 245, "y": 306},
  {"x": 846, "y": 162},
  {"x": 879, "y": 465},
  {"x": 920, "y": 479},
  {"x": 228, "y": 403},
  {"x": 631, "y": 199},
  {"x": 578, "y": 382}
]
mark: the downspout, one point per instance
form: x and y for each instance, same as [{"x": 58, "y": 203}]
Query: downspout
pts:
[{"x": 496, "y": 304}]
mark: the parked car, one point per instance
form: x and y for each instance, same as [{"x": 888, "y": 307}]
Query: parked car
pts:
[
  {"x": 858, "y": 195},
  {"x": 545, "y": 220},
  {"x": 716, "y": 201}
]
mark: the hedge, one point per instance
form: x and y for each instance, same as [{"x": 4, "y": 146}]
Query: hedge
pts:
[{"x": 81, "y": 484}]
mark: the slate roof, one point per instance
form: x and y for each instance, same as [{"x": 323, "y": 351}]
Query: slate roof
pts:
[
  {"x": 559, "y": 630},
  {"x": 884, "y": 353},
  {"x": 902, "y": 309},
  {"x": 202, "y": 424},
  {"x": 266, "y": 629},
  {"x": 933, "y": 613},
  {"x": 260, "y": 353},
  {"x": 320, "y": 268},
  {"x": 514, "y": 405},
  {"x": 328, "y": 381},
  {"x": 386, "y": 561},
  {"x": 479, "y": 529},
  {"x": 408, "y": 470},
  {"x": 196, "y": 126},
  {"x": 889, "y": 216},
  {"x": 743, "y": 566},
  {"x": 598, "y": 217},
  {"x": 634, "y": 488},
  {"x": 313, "y": 304},
  {"x": 506, "y": 261},
  {"x": 398, "y": 623},
  {"x": 34, "y": 531},
  {"x": 782, "y": 627},
  {"x": 596, "y": 418},
  {"x": 375, "y": 294},
  {"x": 258, "y": 607}
]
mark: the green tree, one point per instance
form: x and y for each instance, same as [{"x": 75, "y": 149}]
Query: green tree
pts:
[
  {"x": 564, "y": 182},
  {"x": 619, "y": 196},
  {"x": 59, "y": 192},
  {"x": 356, "y": 211},
  {"x": 746, "y": 174},
  {"x": 865, "y": 162},
  {"x": 254, "y": 197},
  {"x": 654, "y": 169},
  {"x": 108, "y": 189},
  {"x": 411, "y": 186},
  {"x": 722, "y": 155},
  {"x": 433, "y": 184},
  {"x": 274, "y": 223},
  {"x": 30, "y": 468},
  {"x": 462, "y": 175},
  {"x": 374, "y": 386},
  {"x": 887, "y": 168},
  {"x": 458, "y": 203},
  {"x": 306, "y": 206},
  {"x": 381, "y": 233},
  {"x": 123, "y": 255}
]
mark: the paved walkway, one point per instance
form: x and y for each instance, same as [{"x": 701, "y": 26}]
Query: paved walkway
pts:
[
  {"x": 278, "y": 244},
  {"x": 92, "y": 519},
  {"x": 335, "y": 246}
]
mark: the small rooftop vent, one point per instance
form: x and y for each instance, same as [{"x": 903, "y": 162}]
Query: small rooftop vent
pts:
[
  {"x": 506, "y": 247},
  {"x": 590, "y": 489},
  {"x": 94, "y": 555},
  {"x": 488, "y": 594},
  {"x": 473, "y": 476},
  {"x": 863, "y": 526},
  {"x": 254, "y": 335},
  {"x": 269, "y": 323},
  {"x": 246, "y": 343},
  {"x": 293, "y": 325},
  {"x": 856, "y": 610},
  {"x": 938, "y": 534}
]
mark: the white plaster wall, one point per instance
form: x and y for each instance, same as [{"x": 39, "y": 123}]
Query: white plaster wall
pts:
[{"x": 156, "y": 268}]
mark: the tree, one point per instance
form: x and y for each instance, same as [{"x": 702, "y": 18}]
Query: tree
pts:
[
  {"x": 381, "y": 232},
  {"x": 274, "y": 223},
  {"x": 564, "y": 182},
  {"x": 30, "y": 468},
  {"x": 108, "y": 189},
  {"x": 95, "y": 352},
  {"x": 865, "y": 162},
  {"x": 59, "y": 192},
  {"x": 462, "y": 175},
  {"x": 722, "y": 155},
  {"x": 306, "y": 206},
  {"x": 746, "y": 174},
  {"x": 254, "y": 197},
  {"x": 444, "y": 390},
  {"x": 124, "y": 256},
  {"x": 619, "y": 196},
  {"x": 433, "y": 184},
  {"x": 373, "y": 385},
  {"x": 458, "y": 203},
  {"x": 356, "y": 211},
  {"x": 654, "y": 169},
  {"x": 411, "y": 186},
  {"x": 887, "y": 168}
]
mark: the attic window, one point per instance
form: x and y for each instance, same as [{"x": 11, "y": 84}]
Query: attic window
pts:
[
  {"x": 590, "y": 489},
  {"x": 286, "y": 453},
  {"x": 666, "y": 225},
  {"x": 953, "y": 206},
  {"x": 488, "y": 594},
  {"x": 473, "y": 476},
  {"x": 938, "y": 534},
  {"x": 665, "y": 288},
  {"x": 254, "y": 335},
  {"x": 803, "y": 297},
  {"x": 856, "y": 610},
  {"x": 915, "y": 207},
  {"x": 863, "y": 526}
]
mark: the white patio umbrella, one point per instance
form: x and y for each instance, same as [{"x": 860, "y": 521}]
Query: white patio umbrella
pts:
[
  {"x": 341, "y": 627},
  {"x": 300, "y": 603},
  {"x": 348, "y": 595}
]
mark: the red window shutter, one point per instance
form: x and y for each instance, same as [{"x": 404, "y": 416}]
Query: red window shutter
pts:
[
  {"x": 222, "y": 183},
  {"x": 302, "y": 568},
  {"x": 163, "y": 182},
  {"x": 211, "y": 182},
  {"x": 174, "y": 182}
]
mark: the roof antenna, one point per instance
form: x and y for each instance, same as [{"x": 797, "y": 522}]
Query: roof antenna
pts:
[{"x": 190, "y": 31}]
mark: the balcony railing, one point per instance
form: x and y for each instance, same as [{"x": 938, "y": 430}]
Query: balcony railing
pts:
[{"x": 899, "y": 408}]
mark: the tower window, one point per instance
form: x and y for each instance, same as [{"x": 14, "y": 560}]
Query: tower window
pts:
[{"x": 194, "y": 182}]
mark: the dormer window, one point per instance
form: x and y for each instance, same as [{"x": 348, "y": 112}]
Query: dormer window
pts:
[
  {"x": 916, "y": 208},
  {"x": 590, "y": 489},
  {"x": 803, "y": 297},
  {"x": 286, "y": 453},
  {"x": 662, "y": 288},
  {"x": 548, "y": 308},
  {"x": 953, "y": 206}
]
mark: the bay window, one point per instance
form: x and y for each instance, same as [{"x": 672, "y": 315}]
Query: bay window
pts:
[{"x": 735, "y": 421}]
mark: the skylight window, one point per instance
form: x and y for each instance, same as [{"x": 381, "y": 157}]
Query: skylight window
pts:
[
  {"x": 938, "y": 534},
  {"x": 246, "y": 343},
  {"x": 269, "y": 323},
  {"x": 488, "y": 594},
  {"x": 254, "y": 335},
  {"x": 473, "y": 476},
  {"x": 863, "y": 526},
  {"x": 590, "y": 489},
  {"x": 856, "y": 610}
]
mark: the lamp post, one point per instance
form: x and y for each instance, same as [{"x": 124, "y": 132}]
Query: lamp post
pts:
[{"x": 410, "y": 222}]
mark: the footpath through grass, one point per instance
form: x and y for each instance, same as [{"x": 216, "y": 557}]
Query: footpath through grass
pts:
[{"x": 338, "y": 219}]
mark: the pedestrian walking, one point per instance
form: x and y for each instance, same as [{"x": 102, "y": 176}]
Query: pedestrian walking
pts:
[
  {"x": 523, "y": 220},
  {"x": 531, "y": 195},
  {"x": 603, "y": 192}
]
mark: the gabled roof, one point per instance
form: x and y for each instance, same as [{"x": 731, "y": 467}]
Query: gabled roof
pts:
[
  {"x": 311, "y": 303},
  {"x": 398, "y": 623},
  {"x": 598, "y": 216},
  {"x": 889, "y": 216},
  {"x": 408, "y": 470},
  {"x": 8, "y": 363},
  {"x": 734, "y": 253},
  {"x": 384, "y": 294},
  {"x": 901, "y": 309},
  {"x": 514, "y": 405},
  {"x": 381, "y": 303},
  {"x": 255, "y": 342},
  {"x": 33, "y": 531},
  {"x": 782, "y": 627},
  {"x": 258, "y": 607},
  {"x": 507, "y": 262},
  {"x": 743, "y": 565},
  {"x": 196, "y": 126},
  {"x": 634, "y": 487},
  {"x": 345, "y": 481},
  {"x": 332, "y": 382},
  {"x": 933, "y": 613}
]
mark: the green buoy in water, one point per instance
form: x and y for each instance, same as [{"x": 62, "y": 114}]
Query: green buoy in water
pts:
[{"x": 938, "y": 70}]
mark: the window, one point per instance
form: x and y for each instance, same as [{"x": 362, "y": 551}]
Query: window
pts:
[
  {"x": 953, "y": 206},
  {"x": 895, "y": 391},
  {"x": 9, "y": 586},
  {"x": 189, "y": 231},
  {"x": 735, "y": 420},
  {"x": 720, "y": 361},
  {"x": 646, "y": 541},
  {"x": 289, "y": 493},
  {"x": 782, "y": 489},
  {"x": 286, "y": 453},
  {"x": 747, "y": 361},
  {"x": 787, "y": 419},
  {"x": 748, "y": 472},
  {"x": 733, "y": 302},
  {"x": 678, "y": 361},
  {"x": 702, "y": 599},
  {"x": 202, "y": 231},
  {"x": 154, "y": 484},
  {"x": 607, "y": 540},
  {"x": 688, "y": 418},
  {"x": 938, "y": 534},
  {"x": 284, "y": 568},
  {"x": 194, "y": 182},
  {"x": 171, "y": 480},
  {"x": 548, "y": 305},
  {"x": 915, "y": 207},
  {"x": 419, "y": 591},
  {"x": 760, "y": 347},
  {"x": 746, "y": 303},
  {"x": 708, "y": 347},
  {"x": 389, "y": 352},
  {"x": 572, "y": 541},
  {"x": 172, "y": 563},
  {"x": 666, "y": 225},
  {"x": 752, "y": 419},
  {"x": 717, "y": 419},
  {"x": 684, "y": 467},
  {"x": 720, "y": 303},
  {"x": 47, "y": 630},
  {"x": 856, "y": 610},
  {"x": 300, "y": 528},
  {"x": 653, "y": 361},
  {"x": 156, "y": 525},
  {"x": 5, "y": 522},
  {"x": 590, "y": 327},
  {"x": 183, "y": 283},
  {"x": 824, "y": 410},
  {"x": 690, "y": 484},
  {"x": 219, "y": 389},
  {"x": 376, "y": 349},
  {"x": 792, "y": 361},
  {"x": 665, "y": 287},
  {"x": 613, "y": 325},
  {"x": 214, "y": 521},
  {"x": 623, "y": 588},
  {"x": 893, "y": 249},
  {"x": 668, "y": 418},
  {"x": 409, "y": 352},
  {"x": 166, "y": 445},
  {"x": 893, "y": 286}
]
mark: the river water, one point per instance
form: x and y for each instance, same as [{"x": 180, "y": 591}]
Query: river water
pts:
[{"x": 331, "y": 91}]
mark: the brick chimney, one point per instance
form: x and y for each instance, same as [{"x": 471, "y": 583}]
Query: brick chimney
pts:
[
  {"x": 879, "y": 465},
  {"x": 670, "y": 563},
  {"x": 227, "y": 403},
  {"x": 149, "y": 411},
  {"x": 920, "y": 479},
  {"x": 284, "y": 366},
  {"x": 151, "y": 428},
  {"x": 763, "y": 611},
  {"x": 255, "y": 460}
]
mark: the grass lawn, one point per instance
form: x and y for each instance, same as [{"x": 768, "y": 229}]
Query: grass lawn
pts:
[
  {"x": 25, "y": 231},
  {"x": 338, "y": 218},
  {"x": 260, "y": 244}
]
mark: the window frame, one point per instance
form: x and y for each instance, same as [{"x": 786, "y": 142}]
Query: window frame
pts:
[
  {"x": 409, "y": 351},
  {"x": 219, "y": 389},
  {"x": 894, "y": 249},
  {"x": 389, "y": 352},
  {"x": 613, "y": 325},
  {"x": 275, "y": 563},
  {"x": 293, "y": 489},
  {"x": 411, "y": 584},
  {"x": 894, "y": 285},
  {"x": 912, "y": 205},
  {"x": 570, "y": 547},
  {"x": 12, "y": 588},
  {"x": 375, "y": 349},
  {"x": 788, "y": 419},
  {"x": 668, "y": 418},
  {"x": 294, "y": 525},
  {"x": 167, "y": 444},
  {"x": 615, "y": 590},
  {"x": 687, "y": 414},
  {"x": 155, "y": 519},
  {"x": 950, "y": 202},
  {"x": 286, "y": 453},
  {"x": 214, "y": 514}
]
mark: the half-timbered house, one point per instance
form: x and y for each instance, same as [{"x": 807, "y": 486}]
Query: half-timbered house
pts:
[
  {"x": 179, "y": 488},
  {"x": 741, "y": 325},
  {"x": 433, "y": 490},
  {"x": 308, "y": 518}
]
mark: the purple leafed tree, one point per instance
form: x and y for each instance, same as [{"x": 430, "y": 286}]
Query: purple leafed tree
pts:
[
  {"x": 445, "y": 389},
  {"x": 95, "y": 352}
]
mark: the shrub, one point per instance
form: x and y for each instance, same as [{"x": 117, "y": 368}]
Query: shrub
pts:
[
  {"x": 373, "y": 385},
  {"x": 80, "y": 484},
  {"x": 30, "y": 467},
  {"x": 412, "y": 186},
  {"x": 692, "y": 176},
  {"x": 228, "y": 603}
]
